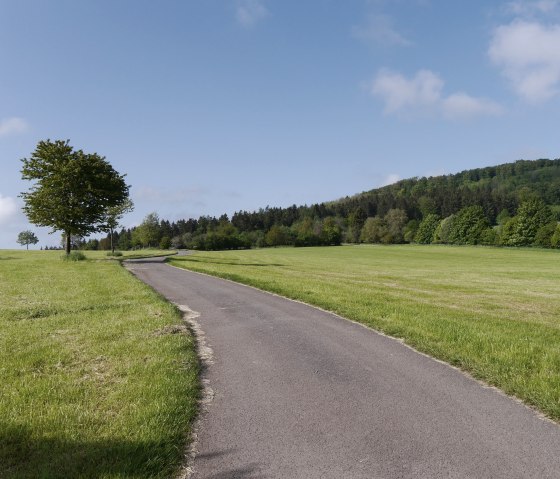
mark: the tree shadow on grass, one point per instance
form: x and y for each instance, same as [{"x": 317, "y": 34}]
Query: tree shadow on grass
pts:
[
  {"x": 24, "y": 455},
  {"x": 207, "y": 259}
]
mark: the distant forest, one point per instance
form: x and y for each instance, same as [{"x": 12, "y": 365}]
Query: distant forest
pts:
[{"x": 514, "y": 204}]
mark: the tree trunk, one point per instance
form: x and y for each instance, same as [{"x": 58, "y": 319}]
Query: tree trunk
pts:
[
  {"x": 112, "y": 246},
  {"x": 27, "y": 246},
  {"x": 68, "y": 243}
]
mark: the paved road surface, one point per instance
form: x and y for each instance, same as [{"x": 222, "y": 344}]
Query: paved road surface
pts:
[{"x": 300, "y": 393}]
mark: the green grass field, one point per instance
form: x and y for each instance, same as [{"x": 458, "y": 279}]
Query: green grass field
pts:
[
  {"x": 492, "y": 312},
  {"x": 97, "y": 380}
]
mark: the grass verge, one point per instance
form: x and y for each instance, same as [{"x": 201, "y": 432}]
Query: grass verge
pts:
[
  {"x": 97, "y": 380},
  {"x": 492, "y": 312}
]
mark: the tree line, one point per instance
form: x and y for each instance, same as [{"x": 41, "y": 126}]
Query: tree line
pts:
[{"x": 514, "y": 204}]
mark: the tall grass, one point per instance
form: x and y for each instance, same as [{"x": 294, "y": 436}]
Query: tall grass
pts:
[
  {"x": 492, "y": 312},
  {"x": 92, "y": 382}
]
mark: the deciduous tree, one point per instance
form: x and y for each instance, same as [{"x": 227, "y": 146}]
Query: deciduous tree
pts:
[
  {"x": 25, "y": 238},
  {"x": 113, "y": 215},
  {"x": 427, "y": 228},
  {"x": 148, "y": 233},
  {"x": 72, "y": 190}
]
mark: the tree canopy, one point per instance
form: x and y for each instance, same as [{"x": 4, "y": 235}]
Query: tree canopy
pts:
[
  {"x": 72, "y": 190},
  {"x": 25, "y": 238}
]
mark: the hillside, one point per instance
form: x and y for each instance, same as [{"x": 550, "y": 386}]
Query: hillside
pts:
[
  {"x": 514, "y": 204},
  {"x": 495, "y": 188}
]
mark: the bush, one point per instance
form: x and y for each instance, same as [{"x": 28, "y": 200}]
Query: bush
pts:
[
  {"x": 442, "y": 234},
  {"x": 490, "y": 237},
  {"x": 555, "y": 240},
  {"x": 522, "y": 229},
  {"x": 116, "y": 253},
  {"x": 74, "y": 256},
  {"x": 427, "y": 229},
  {"x": 165, "y": 243},
  {"x": 544, "y": 235},
  {"x": 469, "y": 225},
  {"x": 374, "y": 230}
]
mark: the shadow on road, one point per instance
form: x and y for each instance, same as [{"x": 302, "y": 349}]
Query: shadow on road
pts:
[{"x": 249, "y": 471}]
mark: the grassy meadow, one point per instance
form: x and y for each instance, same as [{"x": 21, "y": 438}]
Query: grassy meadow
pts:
[
  {"x": 492, "y": 312},
  {"x": 98, "y": 373}
]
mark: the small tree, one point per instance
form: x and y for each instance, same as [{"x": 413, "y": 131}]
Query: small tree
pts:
[
  {"x": 148, "y": 233},
  {"x": 442, "y": 233},
  {"x": 25, "y": 238},
  {"x": 113, "y": 215},
  {"x": 356, "y": 220},
  {"x": 278, "y": 235},
  {"x": 469, "y": 225},
  {"x": 331, "y": 233},
  {"x": 396, "y": 220},
  {"x": 165, "y": 243},
  {"x": 427, "y": 228},
  {"x": 522, "y": 229},
  {"x": 72, "y": 189},
  {"x": 374, "y": 230}
]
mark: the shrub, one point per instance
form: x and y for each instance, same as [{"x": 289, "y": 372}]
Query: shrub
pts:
[
  {"x": 374, "y": 230},
  {"x": 469, "y": 225},
  {"x": 544, "y": 235},
  {"x": 74, "y": 256},
  {"x": 555, "y": 240},
  {"x": 522, "y": 229},
  {"x": 490, "y": 237},
  {"x": 443, "y": 231},
  {"x": 410, "y": 231},
  {"x": 427, "y": 229},
  {"x": 116, "y": 253},
  {"x": 165, "y": 243}
]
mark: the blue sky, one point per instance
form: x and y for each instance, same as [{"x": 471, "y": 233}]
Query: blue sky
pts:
[{"x": 215, "y": 106}]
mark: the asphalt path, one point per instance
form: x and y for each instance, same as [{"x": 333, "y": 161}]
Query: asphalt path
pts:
[{"x": 301, "y": 393}]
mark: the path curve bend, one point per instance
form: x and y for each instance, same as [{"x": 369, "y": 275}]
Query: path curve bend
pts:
[{"x": 301, "y": 393}]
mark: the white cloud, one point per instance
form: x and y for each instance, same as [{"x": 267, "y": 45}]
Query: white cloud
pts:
[
  {"x": 461, "y": 105},
  {"x": 423, "y": 94},
  {"x": 8, "y": 209},
  {"x": 400, "y": 93},
  {"x": 249, "y": 12},
  {"x": 390, "y": 179},
  {"x": 528, "y": 53},
  {"x": 12, "y": 126},
  {"x": 379, "y": 30}
]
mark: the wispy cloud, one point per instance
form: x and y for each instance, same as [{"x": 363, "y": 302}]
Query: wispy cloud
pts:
[
  {"x": 379, "y": 30},
  {"x": 148, "y": 193},
  {"x": 528, "y": 53},
  {"x": 250, "y": 12},
  {"x": 462, "y": 105},
  {"x": 8, "y": 209},
  {"x": 423, "y": 94},
  {"x": 390, "y": 179},
  {"x": 529, "y": 8},
  {"x": 12, "y": 126}
]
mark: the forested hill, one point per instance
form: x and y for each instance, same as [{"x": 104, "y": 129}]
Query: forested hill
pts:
[
  {"x": 495, "y": 188},
  {"x": 514, "y": 204}
]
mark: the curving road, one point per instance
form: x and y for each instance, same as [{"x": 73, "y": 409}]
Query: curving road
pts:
[{"x": 301, "y": 393}]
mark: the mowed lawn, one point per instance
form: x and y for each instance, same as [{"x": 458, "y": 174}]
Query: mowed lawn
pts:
[
  {"x": 492, "y": 312},
  {"x": 98, "y": 374}
]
